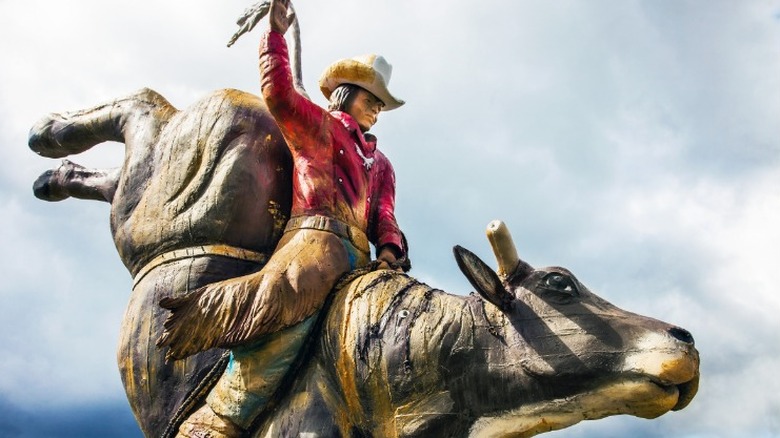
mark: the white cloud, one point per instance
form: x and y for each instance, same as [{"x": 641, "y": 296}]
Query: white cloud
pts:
[{"x": 62, "y": 306}]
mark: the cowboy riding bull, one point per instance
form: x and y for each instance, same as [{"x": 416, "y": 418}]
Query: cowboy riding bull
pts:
[{"x": 205, "y": 194}]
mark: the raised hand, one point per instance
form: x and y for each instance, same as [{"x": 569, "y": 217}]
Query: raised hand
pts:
[{"x": 281, "y": 15}]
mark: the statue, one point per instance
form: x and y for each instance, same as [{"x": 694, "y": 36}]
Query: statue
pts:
[{"x": 196, "y": 214}]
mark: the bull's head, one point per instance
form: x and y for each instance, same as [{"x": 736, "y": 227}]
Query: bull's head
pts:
[{"x": 589, "y": 358}]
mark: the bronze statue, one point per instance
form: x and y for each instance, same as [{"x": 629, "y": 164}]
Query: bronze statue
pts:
[{"x": 203, "y": 198}]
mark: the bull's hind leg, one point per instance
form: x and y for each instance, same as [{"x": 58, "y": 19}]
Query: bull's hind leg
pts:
[
  {"x": 71, "y": 179},
  {"x": 122, "y": 120}
]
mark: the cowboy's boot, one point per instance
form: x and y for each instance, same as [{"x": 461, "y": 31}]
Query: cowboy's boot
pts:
[{"x": 205, "y": 423}]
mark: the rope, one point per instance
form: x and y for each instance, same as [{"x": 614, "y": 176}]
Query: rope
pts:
[{"x": 196, "y": 396}]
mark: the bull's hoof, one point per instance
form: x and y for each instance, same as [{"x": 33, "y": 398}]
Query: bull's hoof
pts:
[
  {"x": 41, "y": 138},
  {"x": 50, "y": 186}
]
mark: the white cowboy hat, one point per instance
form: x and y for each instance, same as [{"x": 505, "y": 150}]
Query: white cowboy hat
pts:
[{"x": 371, "y": 72}]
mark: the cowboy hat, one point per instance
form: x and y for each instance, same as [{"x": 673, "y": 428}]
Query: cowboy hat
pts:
[{"x": 371, "y": 72}]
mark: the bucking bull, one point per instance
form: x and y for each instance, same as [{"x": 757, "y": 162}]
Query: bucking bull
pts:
[{"x": 204, "y": 194}]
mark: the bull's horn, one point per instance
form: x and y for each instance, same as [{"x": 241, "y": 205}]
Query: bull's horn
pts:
[{"x": 503, "y": 247}]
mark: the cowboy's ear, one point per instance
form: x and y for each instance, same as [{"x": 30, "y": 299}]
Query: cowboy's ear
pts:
[{"x": 482, "y": 277}]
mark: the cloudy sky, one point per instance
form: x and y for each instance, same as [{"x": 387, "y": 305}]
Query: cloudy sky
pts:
[{"x": 635, "y": 142}]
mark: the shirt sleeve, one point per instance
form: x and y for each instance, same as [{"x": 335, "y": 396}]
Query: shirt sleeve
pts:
[
  {"x": 383, "y": 227},
  {"x": 303, "y": 123}
]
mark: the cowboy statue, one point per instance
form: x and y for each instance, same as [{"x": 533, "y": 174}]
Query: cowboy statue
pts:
[{"x": 343, "y": 198}]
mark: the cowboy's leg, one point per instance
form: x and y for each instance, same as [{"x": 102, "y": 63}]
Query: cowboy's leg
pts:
[
  {"x": 255, "y": 372},
  {"x": 252, "y": 376},
  {"x": 301, "y": 274}
]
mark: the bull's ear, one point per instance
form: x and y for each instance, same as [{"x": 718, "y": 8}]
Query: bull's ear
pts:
[{"x": 482, "y": 277}]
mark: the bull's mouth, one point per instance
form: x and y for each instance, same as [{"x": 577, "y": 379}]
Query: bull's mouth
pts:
[
  {"x": 685, "y": 392},
  {"x": 667, "y": 397}
]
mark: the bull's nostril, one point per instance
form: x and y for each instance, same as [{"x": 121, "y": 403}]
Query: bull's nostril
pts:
[{"x": 681, "y": 334}]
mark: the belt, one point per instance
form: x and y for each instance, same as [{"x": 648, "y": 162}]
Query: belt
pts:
[
  {"x": 196, "y": 251},
  {"x": 335, "y": 226}
]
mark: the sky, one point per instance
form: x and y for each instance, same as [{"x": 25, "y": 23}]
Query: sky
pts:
[{"x": 636, "y": 143}]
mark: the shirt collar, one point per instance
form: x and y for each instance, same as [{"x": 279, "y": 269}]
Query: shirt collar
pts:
[{"x": 366, "y": 141}]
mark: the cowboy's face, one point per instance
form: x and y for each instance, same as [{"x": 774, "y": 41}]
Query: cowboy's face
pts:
[{"x": 365, "y": 108}]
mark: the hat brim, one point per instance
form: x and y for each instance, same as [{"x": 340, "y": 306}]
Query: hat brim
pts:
[{"x": 349, "y": 71}]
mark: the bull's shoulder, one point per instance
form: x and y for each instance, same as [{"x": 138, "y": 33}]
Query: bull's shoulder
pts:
[
  {"x": 390, "y": 331},
  {"x": 380, "y": 302}
]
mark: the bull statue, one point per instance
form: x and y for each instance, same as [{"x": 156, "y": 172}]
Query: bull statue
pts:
[
  {"x": 203, "y": 195},
  {"x": 533, "y": 351}
]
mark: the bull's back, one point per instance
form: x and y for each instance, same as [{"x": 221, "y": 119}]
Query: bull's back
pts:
[{"x": 220, "y": 174}]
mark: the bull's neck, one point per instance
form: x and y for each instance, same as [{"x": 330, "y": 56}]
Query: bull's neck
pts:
[
  {"x": 428, "y": 357},
  {"x": 481, "y": 369}
]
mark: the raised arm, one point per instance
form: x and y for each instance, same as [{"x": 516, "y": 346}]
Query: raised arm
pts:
[{"x": 300, "y": 120}]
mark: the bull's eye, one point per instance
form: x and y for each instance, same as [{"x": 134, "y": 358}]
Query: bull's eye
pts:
[{"x": 559, "y": 287}]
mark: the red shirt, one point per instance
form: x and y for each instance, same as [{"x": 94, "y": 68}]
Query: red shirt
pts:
[{"x": 337, "y": 172}]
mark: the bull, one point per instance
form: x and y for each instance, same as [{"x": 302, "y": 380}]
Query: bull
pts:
[{"x": 203, "y": 194}]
